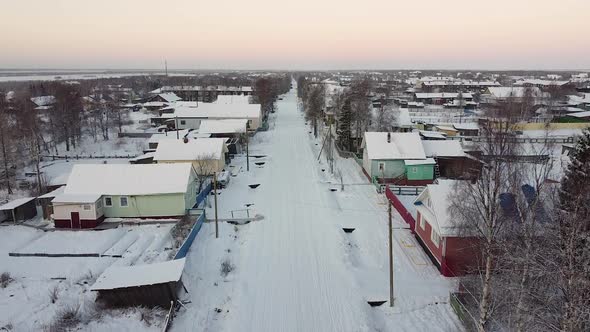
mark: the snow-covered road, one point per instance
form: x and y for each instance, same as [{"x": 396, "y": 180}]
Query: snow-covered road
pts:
[{"x": 296, "y": 270}]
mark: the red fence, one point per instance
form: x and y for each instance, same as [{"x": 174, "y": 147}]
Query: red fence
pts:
[{"x": 401, "y": 209}]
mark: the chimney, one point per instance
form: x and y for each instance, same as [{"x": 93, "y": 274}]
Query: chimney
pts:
[{"x": 388, "y": 137}]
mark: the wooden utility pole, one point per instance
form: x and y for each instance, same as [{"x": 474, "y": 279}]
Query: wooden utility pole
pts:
[
  {"x": 215, "y": 192},
  {"x": 247, "y": 152},
  {"x": 390, "y": 257}
]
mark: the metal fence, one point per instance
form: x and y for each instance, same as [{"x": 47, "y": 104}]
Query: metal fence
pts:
[
  {"x": 183, "y": 250},
  {"x": 203, "y": 194}
]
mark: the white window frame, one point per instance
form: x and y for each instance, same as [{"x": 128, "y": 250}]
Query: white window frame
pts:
[
  {"x": 87, "y": 207},
  {"x": 99, "y": 204},
  {"x": 434, "y": 237},
  {"x": 183, "y": 122},
  {"x": 379, "y": 168},
  {"x": 422, "y": 223},
  {"x": 414, "y": 169},
  {"x": 126, "y": 201},
  {"x": 105, "y": 201}
]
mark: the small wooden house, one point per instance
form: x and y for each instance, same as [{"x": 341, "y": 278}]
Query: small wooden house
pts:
[
  {"x": 396, "y": 158},
  {"x": 20, "y": 209},
  {"x": 450, "y": 249},
  {"x": 148, "y": 285}
]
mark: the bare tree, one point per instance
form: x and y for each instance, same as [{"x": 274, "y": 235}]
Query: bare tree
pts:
[
  {"x": 478, "y": 207},
  {"x": 205, "y": 166}
]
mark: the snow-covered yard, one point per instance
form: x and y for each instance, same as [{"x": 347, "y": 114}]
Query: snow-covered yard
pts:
[
  {"x": 296, "y": 270},
  {"x": 42, "y": 288}
]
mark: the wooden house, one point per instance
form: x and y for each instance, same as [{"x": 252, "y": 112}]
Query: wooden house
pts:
[
  {"x": 396, "y": 158},
  {"x": 206, "y": 155},
  {"x": 148, "y": 285},
  {"x": 20, "y": 209},
  {"x": 448, "y": 246},
  {"x": 452, "y": 162},
  {"x": 98, "y": 191}
]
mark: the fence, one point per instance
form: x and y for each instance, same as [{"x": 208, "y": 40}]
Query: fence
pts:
[
  {"x": 203, "y": 194},
  {"x": 461, "y": 311},
  {"x": 406, "y": 190},
  {"x": 135, "y": 135},
  {"x": 563, "y": 139},
  {"x": 401, "y": 209},
  {"x": 76, "y": 157},
  {"x": 183, "y": 250},
  {"x": 169, "y": 317}
]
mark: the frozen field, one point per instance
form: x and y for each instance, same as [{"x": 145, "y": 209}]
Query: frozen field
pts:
[{"x": 296, "y": 270}]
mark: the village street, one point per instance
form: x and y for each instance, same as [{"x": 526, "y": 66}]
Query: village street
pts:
[{"x": 296, "y": 270}]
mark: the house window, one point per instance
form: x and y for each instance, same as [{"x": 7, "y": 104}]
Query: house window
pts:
[
  {"x": 435, "y": 238},
  {"x": 108, "y": 201},
  {"x": 99, "y": 204},
  {"x": 87, "y": 207},
  {"x": 414, "y": 169},
  {"x": 381, "y": 166},
  {"x": 422, "y": 222},
  {"x": 123, "y": 201},
  {"x": 182, "y": 122}
]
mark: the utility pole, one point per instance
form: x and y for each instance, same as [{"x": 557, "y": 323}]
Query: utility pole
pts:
[
  {"x": 166, "y": 67},
  {"x": 390, "y": 257},
  {"x": 247, "y": 152},
  {"x": 176, "y": 127},
  {"x": 215, "y": 192}
]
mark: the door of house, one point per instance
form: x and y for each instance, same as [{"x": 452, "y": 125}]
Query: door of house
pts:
[{"x": 75, "y": 217}]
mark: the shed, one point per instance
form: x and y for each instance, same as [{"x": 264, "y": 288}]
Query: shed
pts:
[
  {"x": 19, "y": 209},
  {"x": 149, "y": 285}
]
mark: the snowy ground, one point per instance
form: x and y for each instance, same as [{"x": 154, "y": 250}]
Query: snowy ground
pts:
[
  {"x": 26, "y": 302},
  {"x": 296, "y": 270}
]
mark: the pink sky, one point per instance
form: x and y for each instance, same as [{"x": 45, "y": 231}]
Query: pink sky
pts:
[{"x": 297, "y": 34}]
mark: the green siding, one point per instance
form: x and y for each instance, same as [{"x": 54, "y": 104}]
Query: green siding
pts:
[
  {"x": 393, "y": 168},
  {"x": 148, "y": 206},
  {"x": 420, "y": 172}
]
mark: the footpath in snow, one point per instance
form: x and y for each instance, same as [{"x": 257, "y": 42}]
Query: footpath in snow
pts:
[{"x": 296, "y": 270}]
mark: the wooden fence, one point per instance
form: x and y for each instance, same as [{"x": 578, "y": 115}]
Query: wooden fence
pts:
[
  {"x": 401, "y": 209},
  {"x": 77, "y": 157}
]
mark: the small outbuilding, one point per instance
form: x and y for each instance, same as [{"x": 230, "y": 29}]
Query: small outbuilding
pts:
[
  {"x": 20, "y": 209},
  {"x": 140, "y": 285}
]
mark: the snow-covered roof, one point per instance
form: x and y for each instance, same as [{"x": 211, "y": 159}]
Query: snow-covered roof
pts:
[
  {"x": 126, "y": 179},
  {"x": 402, "y": 146},
  {"x": 437, "y": 212},
  {"x": 232, "y": 99},
  {"x": 76, "y": 198},
  {"x": 215, "y": 111},
  {"x": 223, "y": 126},
  {"x": 580, "y": 114},
  {"x": 433, "y": 134},
  {"x": 53, "y": 193},
  {"x": 404, "y": 119},
  {"x": 466, "y": 126},
  {"x": 169, "y": 97},
  {"x": 139, "y": 275},
  {"x": 194, "y": 149},
  {"x": 413, "y": 162},
  {"x": 541, "y": 82},
  {"x": 16, "y": 203},
  {"x": 516, "y": 92},
  {"x": 43, "y": 100},
  {"x": 436, "y": 95},
  {"x": 169, "y": 135},
  {"x": 440, "y": 148},
  {"x": 446, "y": 128}
]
